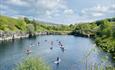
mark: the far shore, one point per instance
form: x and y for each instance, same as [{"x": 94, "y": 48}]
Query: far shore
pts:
[{"x": 10, "y": 35}]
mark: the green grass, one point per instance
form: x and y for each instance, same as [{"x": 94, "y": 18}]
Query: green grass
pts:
[
  {"x": 32, "y": 63},
  {"x": 11, "y": 24}
]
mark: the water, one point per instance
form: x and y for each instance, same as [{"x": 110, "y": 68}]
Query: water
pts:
[{"x": 73, "y": 57}]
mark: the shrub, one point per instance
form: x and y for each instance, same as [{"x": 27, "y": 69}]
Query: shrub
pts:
[{"x": 32, "y": 63}]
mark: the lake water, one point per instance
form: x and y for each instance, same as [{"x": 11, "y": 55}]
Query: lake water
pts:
[{"x": 72, "y": 58}]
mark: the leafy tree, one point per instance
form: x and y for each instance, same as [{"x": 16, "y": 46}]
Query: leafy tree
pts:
[
  {"x": 30, "y": 28},
  {"x": 27, "y": 20},
  {"x": 35, "y": 25},
  {"x": 113, "y": 30},
  {"x": 105, "y": 28}
]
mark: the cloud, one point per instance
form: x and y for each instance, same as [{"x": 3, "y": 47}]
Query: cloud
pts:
[
  {"x": 40, "y": 8},
  {"x": 5, "y": 10},
  {"x": 17, "y": 2},
  {"x": 3, "y": 6},
  {"x": 97, "y": 14},
  {"x": 51, "y": 4},
  {"x": 98, "y": 11},
  {"x": 112, "y": 8},
  {"x": 49, "y": 14},
  {"x": 53, "y": 8},
  {"x": 69, "y": 12}
]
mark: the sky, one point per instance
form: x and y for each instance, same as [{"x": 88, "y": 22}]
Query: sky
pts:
[{"x": 59, "y": 11}]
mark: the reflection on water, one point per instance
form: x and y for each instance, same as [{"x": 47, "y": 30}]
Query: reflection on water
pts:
[{"x": 76, "y": 53}]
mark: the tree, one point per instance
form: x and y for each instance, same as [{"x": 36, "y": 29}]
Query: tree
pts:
[
  {"x": 30, "y": 28},
  {"x": 35, "y": 25},
  {"x": 27, "y": 20},
  {"x": 113, "y": 32},
  {"x": 105, "y": 28}
]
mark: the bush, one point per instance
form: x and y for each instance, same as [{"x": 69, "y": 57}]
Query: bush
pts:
[{"x": 32, "y": 63}]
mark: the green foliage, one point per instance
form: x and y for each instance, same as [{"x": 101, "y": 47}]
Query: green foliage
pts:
[
  {"x": 113, "y": 34},
  {"x": 105, "y": 28},
  {"x": 85, "y": 29},
  {"x": 105, "y": 37},
  {"x": 30, "y": 28},
  {"x": 11, "y": 24},
  {"x": 35, "y": 25},
  {"x": 111, "y": 19},
  {"x": 27, "y": 20},
  {"x": 21, "y": 25},
  {"x": 32, "y": 63}
]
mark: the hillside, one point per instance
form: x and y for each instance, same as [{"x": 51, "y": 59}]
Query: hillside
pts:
[{"x": 11, "y": 24}]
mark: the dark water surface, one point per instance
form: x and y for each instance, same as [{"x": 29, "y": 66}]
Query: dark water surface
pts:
[{"x": 73, "y": 57}]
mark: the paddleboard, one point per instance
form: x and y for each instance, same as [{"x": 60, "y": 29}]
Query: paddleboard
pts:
[{"x": 57, "y": 61}]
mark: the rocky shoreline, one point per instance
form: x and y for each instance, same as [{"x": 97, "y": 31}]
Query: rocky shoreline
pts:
[{"x": 10, "y": 35}]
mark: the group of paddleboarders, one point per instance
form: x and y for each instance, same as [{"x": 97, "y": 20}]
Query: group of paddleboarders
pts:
[
  {"x": 61, "y": 46},
  {"x": 58, "y": 60}
]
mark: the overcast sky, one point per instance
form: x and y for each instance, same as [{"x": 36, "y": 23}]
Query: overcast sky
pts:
[{"x": 59, "y": 11}]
